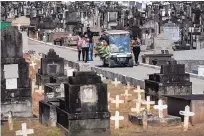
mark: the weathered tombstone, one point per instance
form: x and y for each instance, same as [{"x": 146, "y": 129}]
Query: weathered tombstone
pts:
[
  {"x": 172, "y": 80},
  {"x": 117, "y": 118},
  {"x": 84, "y": 111},
  {"x": 157, "y": 59},
  {"x": 24, "y": 131},
  {"x": 117, "y": 101},
  {"x": 186, "y": 115},
  {"x": 15, "y": 82},
  {"x": 52, "y": 69},
  {"x": 47, "y": 111},
  {"x": 195, "y": 101}
]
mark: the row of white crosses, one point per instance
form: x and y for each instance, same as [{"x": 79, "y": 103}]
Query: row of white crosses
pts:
[{"x": 160, "y": 107}]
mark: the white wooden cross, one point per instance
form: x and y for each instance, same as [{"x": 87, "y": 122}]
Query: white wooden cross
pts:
[
  {"x": 116, "y": 82},
  {"x": 160, "y": 107},
  {"x": 126, "y": 94},
  {"x": 139, "y": 91},
  {"x": 33, "y": 64},
  {"x": 117, "y": 118},
  {"x": 117, "y": 101},
  {"x": 24, "y": 131},
  {"x": 186, "y": 115},
  {"x": 138, "y": 104},
  {"x": 148, "y": 102}
]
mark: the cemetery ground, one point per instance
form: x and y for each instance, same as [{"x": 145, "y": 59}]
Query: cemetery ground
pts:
[{"x": 126, "y": 127}]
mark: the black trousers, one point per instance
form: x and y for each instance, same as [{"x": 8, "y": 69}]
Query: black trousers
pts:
[
  {"x": 136, "y": 52},
  {"x": 85, "y": 54},
  {"x": 79, "y": 54}
]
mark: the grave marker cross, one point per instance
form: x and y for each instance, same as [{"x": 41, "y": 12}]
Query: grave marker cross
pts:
[
  {"x": 139, "y": 91},
  {"x": 160, "y": 107},
  {"x": 117, "y": 101},
  {"x": 24, "y": 131},
  {"x": 116, "y": 82},
  {"x": 186, "y": 115},
  {"x": 117, "y": 118},
  {"x": 126, "y": 94},
  {"x": 148, "y": 102},
  {"x": 33, "y": 64}
]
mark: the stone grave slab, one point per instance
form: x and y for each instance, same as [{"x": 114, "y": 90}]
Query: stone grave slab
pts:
[
  {"x": 157, "y": 59},
  {"x": 15, "y": 81},
  {"x": 155, "y": 121},
  {"x": 47, "y": 111},
  {"x": 51, "y": 70},
  {"x": 85, "y": 103},
  {"x": 172, "y": 80},
  {"x": 195, "y": 101}
]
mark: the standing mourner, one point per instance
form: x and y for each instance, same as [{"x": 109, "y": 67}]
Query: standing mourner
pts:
[
  {"x": 79, "y": 43},
  {"x": 91, "y": 44},
  {"x": 136, "y": 43},
  {"x": 85, "y": 48}
]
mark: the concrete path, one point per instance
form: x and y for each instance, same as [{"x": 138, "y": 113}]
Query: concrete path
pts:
[{"x": 139, "y": 72}]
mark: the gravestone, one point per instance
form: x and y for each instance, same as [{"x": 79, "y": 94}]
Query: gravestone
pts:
[
  {"x": 15, "y": 81},
  {"x": 195, "y": 101},
  {"x": 85, "y": 109},
  {"x": 53, "y": 90},
  {"x": 51, "y": 70},
  {"x": 172, "y": 80},
  {"x": 47, "y": 111},
  {"x": 157, "y": 59}
]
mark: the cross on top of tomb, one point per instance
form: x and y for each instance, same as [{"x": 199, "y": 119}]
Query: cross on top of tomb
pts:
[
  {"x": 160, "y": 107},
  {"x": 117, "y": 118},
  {"x": 24, "y": 131},
  {"x": 117, "y": 101}
]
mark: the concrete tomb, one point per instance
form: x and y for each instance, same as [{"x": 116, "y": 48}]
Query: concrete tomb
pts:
[
  {"x": 51, "y": 70},
  {"x": 15, "y": 81},
  {"x": 157, "y": 59},
  {"x": 172, "y": 80},
  {"x": 84, "y": 109},
  {"x": 195, "y": 101}
]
